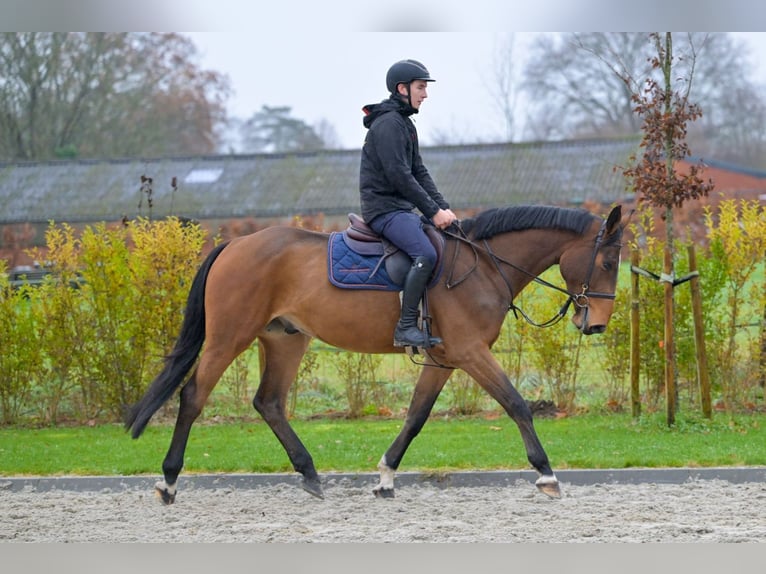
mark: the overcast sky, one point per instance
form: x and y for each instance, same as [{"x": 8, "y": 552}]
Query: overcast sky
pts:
[
  {"x": 325, "y": 59},
  {"x": 330, "y": 76}
]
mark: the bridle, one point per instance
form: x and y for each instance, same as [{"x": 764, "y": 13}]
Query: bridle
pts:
[{"x": 580, "y": 300}]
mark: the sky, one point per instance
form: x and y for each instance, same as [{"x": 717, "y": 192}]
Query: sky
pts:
[
  {"x": 327, "y": 76},
  {"x": 325, "y": 59},
  {"x": 332, "y": 76}
]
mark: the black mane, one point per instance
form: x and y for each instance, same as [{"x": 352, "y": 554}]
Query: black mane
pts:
[{"x": 517, "y": 218}]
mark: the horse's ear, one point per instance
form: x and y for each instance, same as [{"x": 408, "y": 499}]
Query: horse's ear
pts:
[{"x": 615, "y": 216}]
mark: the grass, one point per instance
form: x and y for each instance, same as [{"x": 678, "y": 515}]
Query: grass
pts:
[{"x": 445, "y": 444}]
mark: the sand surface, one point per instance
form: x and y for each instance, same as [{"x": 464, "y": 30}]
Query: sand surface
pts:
[{"x": 695, "y": 511}]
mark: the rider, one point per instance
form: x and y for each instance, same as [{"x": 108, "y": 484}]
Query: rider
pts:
[{"x": 393, "y": 182}]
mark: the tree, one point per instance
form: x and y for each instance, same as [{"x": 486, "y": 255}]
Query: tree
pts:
[
  {"x": 576, "y": 85},
  {"x": 573, "y": 95},
  {"x": 328, "y": 134},
  {"x": 731, "y": 128},
  {"x": 503, "y": 89},
  {"x": 72, "y": 94},
  {"x": 272, "y": 129},
  {"x": 665, "y": 114}
]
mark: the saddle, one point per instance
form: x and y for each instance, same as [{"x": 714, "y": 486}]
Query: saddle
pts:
[{"x": 372, "y": 261}]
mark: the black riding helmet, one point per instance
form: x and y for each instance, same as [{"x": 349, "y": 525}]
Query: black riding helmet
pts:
[{"x": 404, "y": 72}]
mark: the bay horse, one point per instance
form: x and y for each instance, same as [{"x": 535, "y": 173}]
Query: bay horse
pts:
[{"x": 272, "y": 286}]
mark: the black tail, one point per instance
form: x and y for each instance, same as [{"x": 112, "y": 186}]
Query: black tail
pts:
[{"x": 181, "y": 358}]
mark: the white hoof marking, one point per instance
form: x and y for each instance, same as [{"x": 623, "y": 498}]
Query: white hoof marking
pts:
[
  {"x": 163, "y": 486},
  {"x": 386, "y": 476}
]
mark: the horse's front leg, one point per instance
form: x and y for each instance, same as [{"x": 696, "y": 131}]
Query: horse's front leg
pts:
[
  {"x": 280, "y": 358},
  {"x": 489, "y": 374},
  {"x": 427, "y": 389}
]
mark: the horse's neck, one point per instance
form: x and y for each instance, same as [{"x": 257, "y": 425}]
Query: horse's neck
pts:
[{"x": 533, "y": 250}]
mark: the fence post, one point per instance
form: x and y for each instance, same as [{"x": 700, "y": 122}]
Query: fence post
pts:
[
  {"x": 699, "y": 336},
  {"x": 635, "y": 343}
]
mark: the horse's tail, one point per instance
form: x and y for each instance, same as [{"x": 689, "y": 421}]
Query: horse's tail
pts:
[{"x": 181, "y": 358}]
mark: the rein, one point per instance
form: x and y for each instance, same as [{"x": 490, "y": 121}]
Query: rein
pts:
[{"x": 580, "y": 299}]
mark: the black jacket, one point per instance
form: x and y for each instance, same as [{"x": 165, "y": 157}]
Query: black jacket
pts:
[{"x": 392, "y": 175}]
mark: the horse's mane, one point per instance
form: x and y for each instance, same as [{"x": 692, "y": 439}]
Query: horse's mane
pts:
[{"x": 519, "y": 217}]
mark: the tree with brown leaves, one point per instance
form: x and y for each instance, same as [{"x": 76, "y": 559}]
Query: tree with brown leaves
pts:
[
  {"x": 84, "y": 95},
  {"x": 665, "y": 114}
]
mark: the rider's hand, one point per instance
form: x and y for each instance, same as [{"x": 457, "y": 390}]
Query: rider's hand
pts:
[{"x": 443, "y": 218}]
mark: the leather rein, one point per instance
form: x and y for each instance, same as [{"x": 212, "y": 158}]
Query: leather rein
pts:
[{"x": 581, "y": 299}]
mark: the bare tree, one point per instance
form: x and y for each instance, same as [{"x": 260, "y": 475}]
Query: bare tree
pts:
[
  {"x": 328, "y": 134},
  {"x": 72, "y": 94},
  {"x": 734, "y": 108},
  {"x": 273, "y": 129},
  {"x": 503, "y": 86},
  {"x": 576, "y": 87}
]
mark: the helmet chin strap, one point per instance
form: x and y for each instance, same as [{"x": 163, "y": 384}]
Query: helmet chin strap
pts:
[{"x": 409, "y": 97}]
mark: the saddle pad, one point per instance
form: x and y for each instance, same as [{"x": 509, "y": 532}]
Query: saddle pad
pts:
[{"x": 350, "y": 270}]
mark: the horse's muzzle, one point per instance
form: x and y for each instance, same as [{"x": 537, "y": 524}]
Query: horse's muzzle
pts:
[
  {"x": 594, "y": 329},
  {"x": 581, "y": 320}
]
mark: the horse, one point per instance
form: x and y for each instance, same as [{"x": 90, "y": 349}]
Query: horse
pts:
[{"x": 272, "y": 287}]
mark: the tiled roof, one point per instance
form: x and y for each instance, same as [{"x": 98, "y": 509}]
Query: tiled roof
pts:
[{"x": 271, "y": 185}]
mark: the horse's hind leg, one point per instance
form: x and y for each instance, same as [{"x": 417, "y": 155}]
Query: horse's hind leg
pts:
[
  {"x": 194, "y": 395},
  {"x": 427, "y": 389},
  {"x": 486, "y": 371},
  {"x": 281, "y": 356}
]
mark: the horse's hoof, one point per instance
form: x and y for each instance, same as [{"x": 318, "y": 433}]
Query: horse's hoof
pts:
[
  {"x": 381, "y": 492},
  {"x": 165, "y": 496},
  {"x": 549, "y": 485},
  {"x": 313, "y": 487}
]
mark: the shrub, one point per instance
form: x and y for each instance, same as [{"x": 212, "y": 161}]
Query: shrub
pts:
[
  {"x": 94, "y": 334},
  {"x": 737, "y": 233},
  {"x": 20, "y": 357},
  {"x": 358, "y": 372},
  {"x": 112, "y": 309}
]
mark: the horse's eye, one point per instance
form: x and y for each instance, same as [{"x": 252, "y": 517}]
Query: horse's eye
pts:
[{"x": 607, "y": 266}]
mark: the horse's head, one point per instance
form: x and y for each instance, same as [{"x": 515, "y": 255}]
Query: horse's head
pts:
[{"x": 590, "y": 268}]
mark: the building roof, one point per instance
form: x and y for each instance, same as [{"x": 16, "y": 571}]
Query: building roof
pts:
[{"x": 277, "y": 185}]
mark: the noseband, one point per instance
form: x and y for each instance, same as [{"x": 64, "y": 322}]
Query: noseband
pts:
[{"x": 580, "y": 300}]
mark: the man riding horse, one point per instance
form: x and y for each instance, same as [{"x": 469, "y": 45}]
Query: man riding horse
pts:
[{"x": 393, "y": 182}]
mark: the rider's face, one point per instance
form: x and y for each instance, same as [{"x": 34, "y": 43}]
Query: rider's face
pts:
[{"x": 418, "y": 92}]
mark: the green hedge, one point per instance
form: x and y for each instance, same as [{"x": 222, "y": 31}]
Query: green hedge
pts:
[{"x": 88, "y": 340}]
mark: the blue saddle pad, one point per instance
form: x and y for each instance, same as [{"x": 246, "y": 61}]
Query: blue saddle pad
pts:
[{"x": 350, "y": 270}]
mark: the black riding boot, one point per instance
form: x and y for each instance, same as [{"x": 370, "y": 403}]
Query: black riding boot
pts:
[{"x": 407, "y": 333}]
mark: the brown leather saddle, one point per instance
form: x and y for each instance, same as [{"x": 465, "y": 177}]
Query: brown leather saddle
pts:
[{"x": 360, "y": 238}]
